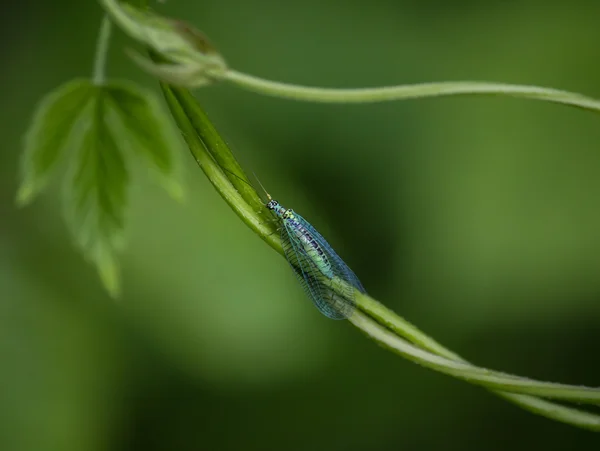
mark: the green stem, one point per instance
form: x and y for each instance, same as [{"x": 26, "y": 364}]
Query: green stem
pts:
[
  {"x": 403, "y": 92},
  {"x": 219, "y": 150},
  {"x": 199, "y": 145},
  {"x": 384, "y": 326},
  {"x": 533, "y": 404},
  {"x": 99, "y": 74},
  {"x": 463, "y": 370},
  {"x": 405, "y": 329},
  {"x": 379, "y": 323}
]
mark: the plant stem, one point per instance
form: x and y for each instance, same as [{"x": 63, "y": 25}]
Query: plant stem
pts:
[
  {"x": 99, "y": 74},
  {"x": 215, "y": 145},
  {"x": 403, "y": 92},
  {"x": 463, "y": 370},
  {"x": 533, "y": 404},
  {"x": 199, "y": 145},
  {"x": 379, "y": 323}
]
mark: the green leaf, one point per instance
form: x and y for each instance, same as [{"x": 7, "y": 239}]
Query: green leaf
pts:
[
  {"x": 103, "y": 126},
  {"x": 100, "y": 124},
  {"x": 143, "y": 126},
  {"x": 96, "y": 191},
  {"x": 53, "y": 130}
]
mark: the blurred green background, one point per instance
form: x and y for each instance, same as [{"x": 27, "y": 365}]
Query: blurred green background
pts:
[{"x": 476, "y": 218}]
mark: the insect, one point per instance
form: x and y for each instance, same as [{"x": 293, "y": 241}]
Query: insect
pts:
[{"x": 317, "y": 266}]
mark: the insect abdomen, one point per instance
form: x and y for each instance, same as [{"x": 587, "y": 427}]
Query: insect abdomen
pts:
[{"x": 312, "y": 248}]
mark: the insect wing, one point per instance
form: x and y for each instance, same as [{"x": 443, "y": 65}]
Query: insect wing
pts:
[
  {"x": 312, "y": 280},
  {"x": 340, "y": 268}
]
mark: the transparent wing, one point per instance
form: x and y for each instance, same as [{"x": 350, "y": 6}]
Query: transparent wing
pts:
[
  {"x": 312, "y": 280},
  {"x": 340, "y": 268}
]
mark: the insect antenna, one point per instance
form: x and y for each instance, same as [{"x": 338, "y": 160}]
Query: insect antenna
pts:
[
  {"x": 248, "y": 183},
  {"x": 261, "y": 185}
]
